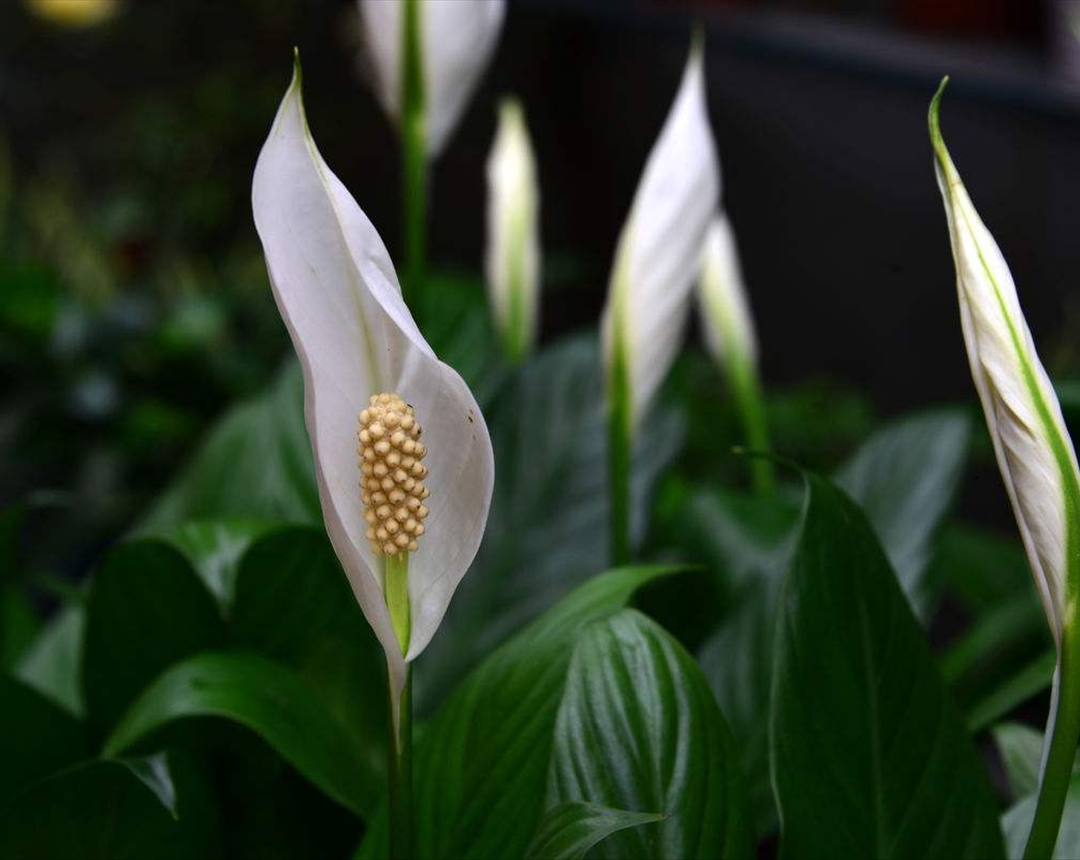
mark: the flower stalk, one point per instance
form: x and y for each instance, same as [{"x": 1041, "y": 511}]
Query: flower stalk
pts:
[
  {"x": 413, "y": 154},
  {"x": 396, "y": 577},
  {"x": 620, "y": 444},
  {"x": 400, "y": 755}
]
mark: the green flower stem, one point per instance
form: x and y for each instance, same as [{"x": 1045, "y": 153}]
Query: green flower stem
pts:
[
  {"x": 396, "y": 583},
  {"x": 746, "y": 387},
  {"x": 414, "y": 155},
  {"x": 400, "y": 754},
  {"x": 1059, "y": 763},
  {"x": 619, "y": 444}
]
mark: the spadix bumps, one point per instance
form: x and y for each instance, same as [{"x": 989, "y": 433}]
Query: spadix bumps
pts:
[{"x": 391, "y": 475}]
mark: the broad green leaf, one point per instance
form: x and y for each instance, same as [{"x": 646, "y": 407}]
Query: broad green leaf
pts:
[
  {"x": 1028, "y": 681},
  {"x": 255, "y": 464},
  {"x": 481, "y": 764},
  {"x": 1001, "y": 641},
  {"x": 638, "y": 728},
  {"x": 869, "y": 756},
  {"x": 1016, "y": 824},
  {"x": 454, "y": 318},
  {"x": 269, "y": 699},
  {"x": 904, "y": 479},
  {"x": 548, "y": 528},
  {"x": 294, "y": 604},
  {"x": 114, "y": 809},
  {"x": 569, "y": 830},
  {"x": 36, "y": 737},
  {"x": 147, "y": 609},
  {"x": 51, "y": 663},
  {"x": 18, "y": 624},
  {"x": 905, "y": 473},
  {"x": 214, "y": 548},
  {"x": 1021, "y": 752},
  {"x": 982, "y": 569}
]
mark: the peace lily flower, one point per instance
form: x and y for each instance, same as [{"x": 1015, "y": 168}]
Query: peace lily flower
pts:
[
  {"x": 405, "y": 507},
  {"x": 1035, "y": 456},
  {"x": 656, "y": 262},
  {"x": 456, "y": 41},
  {"x": 730, "y": 336},
  {"x": 513, "y": 252}
]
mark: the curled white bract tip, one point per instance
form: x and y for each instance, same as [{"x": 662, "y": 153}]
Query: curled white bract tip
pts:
[
  {"x": 722, "y": 298},
  {"x": 512, "y": 259},
  {"x": 458, "y": 38},
  {"x": 659, "y": 251},
  {"x": 338, "y": 294},
  {"x": 1032, "y": 445}
]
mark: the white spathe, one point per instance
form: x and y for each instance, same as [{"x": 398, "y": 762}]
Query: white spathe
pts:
[
  {"x": 457, "y": 37},
  {"x": 512, "y": 258},
  {"x": 1033, "y": 448},
  {"x": 725, "y": 308},
  {"x": 337, "y": 292},
  {"x": 659, "y": 251}
]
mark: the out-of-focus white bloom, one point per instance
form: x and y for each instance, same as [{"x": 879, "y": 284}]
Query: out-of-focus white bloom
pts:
[
  {"x": 74, "y": 13},
  {"x": 659, "y": 251},
  {"x": 1032, "y": 444},
  {"x": 513, "y": 232},
  {"x": 339, "y": 297},
  {"x": 725, "y": 310},
  {"x": 457, "y": 39}
]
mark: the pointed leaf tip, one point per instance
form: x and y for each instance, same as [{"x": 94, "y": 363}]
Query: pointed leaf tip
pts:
[
  {"x": 298, "y": 72},
  {"x": 933, "y": 114},
  {"x": 697, "y": 40}
]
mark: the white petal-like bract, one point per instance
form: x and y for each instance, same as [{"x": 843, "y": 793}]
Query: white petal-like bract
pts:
[
  {"x": 1032, "y": 445},
  {"x": 513, "y": 232},
  {"x": 339, "y": 297},
  {"x": 725, "y": 308},
  {"x": 659, "y": 252},
  {"x": 457, "y": 38}
]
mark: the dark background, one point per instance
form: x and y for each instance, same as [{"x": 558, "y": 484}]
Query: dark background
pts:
[{"x": 133, "y": 302}]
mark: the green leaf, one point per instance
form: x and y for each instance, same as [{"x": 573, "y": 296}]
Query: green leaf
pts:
[
  {"x": 751, "y": 540},
  {"x": 18, "y": 624},
  {"x": 455, "y": 321},
  {"x": 481, "y": 764},
  {"x": 293, "y": 603},
  {"x": 1021, "y": 752},
  {"x": 1016, "y": 824},
  {"x": 569, "y": 830},
  {"x": 982, "y": 569},
  {"x": 548, "y": 528},
  {"x": 904, "y": 479},
  {"x": 36, "y": 737},
  {"x": 869, "y": 755},
  {"x": 638, "y": 727},
  {"x": 256, "y": 463},
  {"x": 214, "y": 548},
  {"x": 111, "y": 809},
  {"x": 905, "y": 473},
  {"x": 147, "y": 609},
  {"x": 269, "y": 699},
  {"x": 51, "y": 663},
  {"x": 1028, "y": 681}
]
